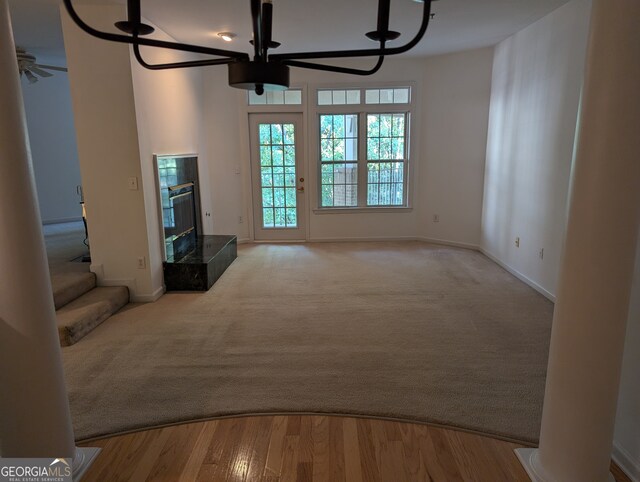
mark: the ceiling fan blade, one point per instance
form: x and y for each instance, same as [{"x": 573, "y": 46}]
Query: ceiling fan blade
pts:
[
  {"x": 30, "y": 77},
  {"x": 51, "y": 67},
  {"x": 40, "y": 72}
]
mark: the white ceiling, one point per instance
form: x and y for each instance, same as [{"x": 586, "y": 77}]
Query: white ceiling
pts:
[{"x": 300, "y": 25}]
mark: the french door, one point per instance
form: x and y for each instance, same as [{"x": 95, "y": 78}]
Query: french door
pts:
[{"x": 277, "y": 176}]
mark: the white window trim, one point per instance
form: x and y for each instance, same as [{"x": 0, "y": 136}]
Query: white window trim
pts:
[
  {"x": 362, "y": 110},
  {"x": 361, "y": 210},
  {"x": 278, "y": 108}
]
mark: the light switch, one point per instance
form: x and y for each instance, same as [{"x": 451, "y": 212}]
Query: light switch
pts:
[{"x": 133, "y": 183}]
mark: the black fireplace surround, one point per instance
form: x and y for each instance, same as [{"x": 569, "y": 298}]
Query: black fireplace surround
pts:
[{"x": 194, "y": 262}]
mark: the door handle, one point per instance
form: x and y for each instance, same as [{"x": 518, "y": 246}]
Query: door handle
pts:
[{"x": 301, "y": 189}]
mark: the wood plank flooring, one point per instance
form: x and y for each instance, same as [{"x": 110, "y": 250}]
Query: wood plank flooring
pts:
[{"x": 306, "y": 448}]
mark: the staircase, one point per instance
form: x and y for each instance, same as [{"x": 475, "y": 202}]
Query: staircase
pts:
[{"x": 81, "y": 306}]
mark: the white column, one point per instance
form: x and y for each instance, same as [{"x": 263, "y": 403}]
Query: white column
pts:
[
  {"x": 589, "y": 322},
  {"x": 34, "y": 409}
]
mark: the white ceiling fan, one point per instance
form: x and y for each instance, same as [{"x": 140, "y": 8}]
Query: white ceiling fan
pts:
[{"x": 27, "y": 65}]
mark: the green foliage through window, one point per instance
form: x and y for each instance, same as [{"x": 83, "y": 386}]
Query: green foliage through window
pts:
[
  {"x": 338, "y": 156},
  {"x": 278, "y": 175},
  {"x": 385, "y": 142}
]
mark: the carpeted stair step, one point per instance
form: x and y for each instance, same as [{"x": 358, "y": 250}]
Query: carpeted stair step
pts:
[
  {"x": 67, "y": 286},
  {"x": 82, "y": 315}
]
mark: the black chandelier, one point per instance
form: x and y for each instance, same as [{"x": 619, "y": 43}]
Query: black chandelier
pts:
[{"x": 265, "y": 71}]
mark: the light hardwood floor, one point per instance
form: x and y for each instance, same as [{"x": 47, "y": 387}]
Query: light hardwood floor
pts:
[{"x": 306, "y": 448}]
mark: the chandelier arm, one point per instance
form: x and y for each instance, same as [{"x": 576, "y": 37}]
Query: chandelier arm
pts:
[
  {"x": 267, "y": 26},
  {"x": 334, "y": 68},
  {"x": 256, "y": 18},
  {"x": 426, "y": 14},
  {"x": 149, "y": 42},
  {"x": 178, "y": 65},
  {"x": 384, "y": 7}
]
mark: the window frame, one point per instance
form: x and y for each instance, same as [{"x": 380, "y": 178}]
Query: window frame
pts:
[
  {"x": 320, "y": 162},
  {"x": 362, "y": 109},
  {"x": 404, "y": 160},
  {"x": 270, "y": 107}
]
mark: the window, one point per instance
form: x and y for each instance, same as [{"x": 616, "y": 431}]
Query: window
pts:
[
  {"x": 276, "y": 97},
  {"x": 338, "y": 97},
  {"x": 363, "y": 147},
  {"x": 278, "y": 175},
  {"x": 385, "y": 159},
  {"x": 387, "y": 96},
  {"x": 339, "y": 160}
]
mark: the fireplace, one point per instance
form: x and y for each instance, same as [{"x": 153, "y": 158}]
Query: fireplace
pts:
[
  {"x": 193, "y": 261},
  {"x": 180, "y": 235},
  {"x": 180, "y": 202}
]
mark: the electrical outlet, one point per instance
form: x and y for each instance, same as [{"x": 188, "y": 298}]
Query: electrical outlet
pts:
[
  {"x": 436, "y": 218},
  {"x": 240, "y": 220},
  {"x": 517, "y": 242},
  {"x": 541, "y": 253},
  {"x": 142, "y": 262}
]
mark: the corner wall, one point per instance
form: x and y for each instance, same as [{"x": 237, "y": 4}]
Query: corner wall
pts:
[
  {"x": 537, "y": 77},
  {"x": 107, "y": 135},
  {"x": 455, "y": 112},
  {"x": 169, "y": 115},
  {"x": 124, "y": 115}
]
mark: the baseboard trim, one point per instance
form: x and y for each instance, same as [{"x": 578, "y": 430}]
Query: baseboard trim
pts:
[
  {"x": 62, "y": 220},
  {"x": 519, "y": 275},
  {"x": 362, "y": 239},
  {"x": 626, "y": 463},
  {"x": 147, "y": 298},
  {"x": 444, "y": 242},
  {"x": 371, "y": 239}
]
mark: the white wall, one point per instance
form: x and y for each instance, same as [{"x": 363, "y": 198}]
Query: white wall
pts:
[
  {"x": 464, "y": 78},
  {"x": 627, "y": 435},
  {"x": 107, "y": 135},
  {"x": 455, "y": 114},
  {"x": 223, "y": 126},
  {"x": 169, "y": 113},
  {"x": 52, "y": 137},
  {"x": 537, "y": 77}
]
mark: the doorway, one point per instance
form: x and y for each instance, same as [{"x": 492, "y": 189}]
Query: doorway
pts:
[{"x": 277, "y": 176}]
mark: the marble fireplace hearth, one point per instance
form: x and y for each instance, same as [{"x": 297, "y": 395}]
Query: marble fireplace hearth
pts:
[{"x": 202, "y": 266}]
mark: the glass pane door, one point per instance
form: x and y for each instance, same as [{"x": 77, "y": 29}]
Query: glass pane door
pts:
[
  {"x": 278, "y": 176},
  {"x": 278, "y": 182}
]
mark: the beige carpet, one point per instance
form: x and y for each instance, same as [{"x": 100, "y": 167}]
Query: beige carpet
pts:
[{"x": 406, "y": 330}]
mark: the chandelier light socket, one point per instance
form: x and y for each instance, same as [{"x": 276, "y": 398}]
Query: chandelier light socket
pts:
[{"x": 137, "y": 28}]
